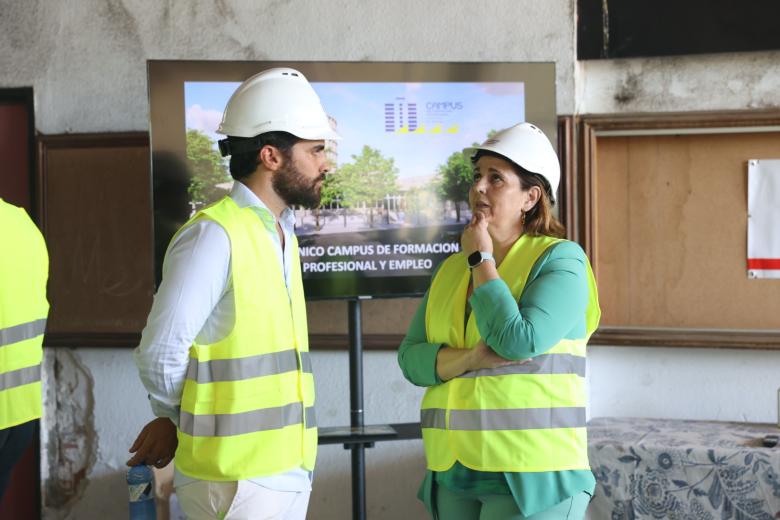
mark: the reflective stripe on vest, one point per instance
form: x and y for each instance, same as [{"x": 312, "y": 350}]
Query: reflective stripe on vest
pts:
[
  {"x": 527, "y": 417},
  {"x": 22, "y": 332},
  {"x": 223, "y": 425},
  {"x": 517, "y": 419},
  {"x": 24, "y": 268},
  {"x": 250, "y": 367},
  {"x": 542, "y": 364},
  {"x": 247, "y": 407},
  {"x": 22, "y": 376}
]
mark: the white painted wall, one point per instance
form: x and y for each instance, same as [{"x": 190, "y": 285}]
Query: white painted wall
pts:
[
  {"x": 718, "y": 384},
  {"x": 86, "y": 62},
  {"x": 120, "y": 411},
  {"x": 683, "y": 383},
  {"x": 87, "y": 59},
  {"x": 734, "y": 81},
  {"x": 394, "y": 469}
]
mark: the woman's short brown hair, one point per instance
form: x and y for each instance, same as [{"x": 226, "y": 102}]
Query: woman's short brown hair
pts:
[{"x": 540, "y": 220}]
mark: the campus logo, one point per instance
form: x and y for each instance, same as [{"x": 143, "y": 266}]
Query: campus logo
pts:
[
  {"x": 443, "y": 106},
  {"x": 401, "y": 117}
]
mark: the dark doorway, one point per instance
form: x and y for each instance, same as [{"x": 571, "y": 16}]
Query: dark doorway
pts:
[{"x": 17, "y": 186}]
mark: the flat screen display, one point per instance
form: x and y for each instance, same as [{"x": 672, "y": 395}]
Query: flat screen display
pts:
[{"x": 395, "y": 200}]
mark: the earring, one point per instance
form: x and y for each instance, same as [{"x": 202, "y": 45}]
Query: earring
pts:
[{"x": 522, "y": 218}]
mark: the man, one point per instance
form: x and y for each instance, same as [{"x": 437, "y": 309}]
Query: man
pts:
[
  {"x": 24, "y": 270},
  {"x": 224, "y": 354}
]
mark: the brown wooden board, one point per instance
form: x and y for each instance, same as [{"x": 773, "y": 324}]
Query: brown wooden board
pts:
[
  {"x": 95, "y": 207},
  {"x": 667, "y": 228}
]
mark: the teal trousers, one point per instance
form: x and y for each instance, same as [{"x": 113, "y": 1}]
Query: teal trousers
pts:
[{"x": 463, "y": 506}]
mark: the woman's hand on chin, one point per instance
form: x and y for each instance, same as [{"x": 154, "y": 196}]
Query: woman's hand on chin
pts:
[{"x": 475, "y": 235}]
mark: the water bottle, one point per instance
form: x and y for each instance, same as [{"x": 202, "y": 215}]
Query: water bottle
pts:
[{"x": 140, "y": 484}]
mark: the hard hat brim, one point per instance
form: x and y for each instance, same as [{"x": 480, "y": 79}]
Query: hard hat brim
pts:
[
  {"x": 327, "y": 134},
  {"x": 471, "y": 151},
  {"x": 315, "y": 135}
]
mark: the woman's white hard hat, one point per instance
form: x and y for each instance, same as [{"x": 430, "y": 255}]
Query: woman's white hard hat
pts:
[
  {"x": 276, "y": 100},
  {"x": 526, "y": 146}
]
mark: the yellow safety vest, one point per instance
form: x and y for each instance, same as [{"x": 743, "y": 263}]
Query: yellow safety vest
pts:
[
  {"x": 519, "y": 418},
  {"x": 24, "y": 269},
  {"x": 247, "y": 408}
]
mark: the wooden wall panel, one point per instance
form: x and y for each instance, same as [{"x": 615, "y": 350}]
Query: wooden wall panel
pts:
[
  {"x": 96, "y": 214},
  {"x": 667, "y": 228}
]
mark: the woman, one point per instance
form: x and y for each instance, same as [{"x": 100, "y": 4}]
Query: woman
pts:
[{"x": 499, "y": 340}]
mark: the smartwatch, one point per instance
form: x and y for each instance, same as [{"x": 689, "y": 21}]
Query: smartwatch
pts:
[{"x": 477, "y": 257}]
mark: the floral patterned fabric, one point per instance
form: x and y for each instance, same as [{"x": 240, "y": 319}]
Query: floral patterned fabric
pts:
[{"x": 683, "y": 470}]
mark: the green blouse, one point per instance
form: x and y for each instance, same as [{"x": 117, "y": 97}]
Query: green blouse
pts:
[{"x": 551, "y": 308}]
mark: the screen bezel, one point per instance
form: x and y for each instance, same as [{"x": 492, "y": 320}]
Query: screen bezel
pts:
[{"x": 167, "y": 120}]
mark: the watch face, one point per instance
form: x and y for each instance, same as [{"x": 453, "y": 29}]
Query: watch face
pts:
[{"x": 474, "y": 259}]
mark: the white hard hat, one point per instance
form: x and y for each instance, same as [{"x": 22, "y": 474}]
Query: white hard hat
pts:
[
  {"x": 526, "y": 146},
  {"x": 278, "y": 99}
]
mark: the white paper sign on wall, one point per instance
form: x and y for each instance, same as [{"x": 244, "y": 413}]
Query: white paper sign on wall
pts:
[{"x": 763, "y": 254}]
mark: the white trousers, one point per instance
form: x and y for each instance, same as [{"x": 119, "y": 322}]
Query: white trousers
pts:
[{"x": 242, "y": 500}]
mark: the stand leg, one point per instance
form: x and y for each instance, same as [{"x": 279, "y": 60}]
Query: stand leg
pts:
[{"x": 356, "y": 409}]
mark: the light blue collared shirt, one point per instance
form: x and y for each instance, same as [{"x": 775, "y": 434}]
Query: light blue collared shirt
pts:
[{"x": 194, "y": 303}]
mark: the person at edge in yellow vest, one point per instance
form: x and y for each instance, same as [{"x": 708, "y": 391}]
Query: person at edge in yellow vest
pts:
[
  {"x": 499, "y": 341},
  {"x": 24, "y": 270},
  {"x": 224, "y": 354}
]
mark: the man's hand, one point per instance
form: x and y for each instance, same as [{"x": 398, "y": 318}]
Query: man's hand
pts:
[
  {"x": 155, "y": 445},
  {"x": 482, "y": 356}
]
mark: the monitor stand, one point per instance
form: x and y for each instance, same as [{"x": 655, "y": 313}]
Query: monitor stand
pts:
[{"x": 357, "y": 437}]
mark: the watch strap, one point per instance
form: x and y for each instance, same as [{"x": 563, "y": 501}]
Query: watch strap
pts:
[{"x": 477, "y": 257}]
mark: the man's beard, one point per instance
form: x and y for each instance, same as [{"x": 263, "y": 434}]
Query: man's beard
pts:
[{"x": 295, "y": 188}]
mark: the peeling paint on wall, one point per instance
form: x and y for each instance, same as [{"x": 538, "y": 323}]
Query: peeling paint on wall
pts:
[
  {"x": 734, "y": 81},
  {"x": 628, "y": 89},
  {"x": 124, "y": 25},
  {"x": 71, "y": 447}
]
